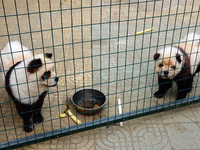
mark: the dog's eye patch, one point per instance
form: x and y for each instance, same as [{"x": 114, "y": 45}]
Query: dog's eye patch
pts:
[
  {"x": 161, "y": 65},
  {"x": 46, "y": 75},
  {"x": 173, "y": 67}
]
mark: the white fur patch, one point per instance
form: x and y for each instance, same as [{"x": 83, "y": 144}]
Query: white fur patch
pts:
[{"x": 191, "y": 45}]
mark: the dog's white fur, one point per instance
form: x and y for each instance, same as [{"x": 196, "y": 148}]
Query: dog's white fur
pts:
[
  {"x": 25, "y": 86},
  {"x": 192, "y": 47},
  {"x": 168, "y": 59}
]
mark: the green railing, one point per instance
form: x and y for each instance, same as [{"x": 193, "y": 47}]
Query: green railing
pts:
[{"x": 94, "y": 45}]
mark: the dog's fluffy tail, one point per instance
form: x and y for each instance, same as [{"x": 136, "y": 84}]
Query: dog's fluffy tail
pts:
[
  {"x": 13, "y": 48},
  {"x": 12, "y": 53},
  {"x": 192, "y": 38}
]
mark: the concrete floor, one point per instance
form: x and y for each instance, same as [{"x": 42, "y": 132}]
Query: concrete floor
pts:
[{"x": 102, "y": 56}]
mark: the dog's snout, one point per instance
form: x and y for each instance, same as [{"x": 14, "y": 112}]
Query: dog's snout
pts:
[
  {"x": 56, "y": 79},
  {"x": 166, "y": 72}
]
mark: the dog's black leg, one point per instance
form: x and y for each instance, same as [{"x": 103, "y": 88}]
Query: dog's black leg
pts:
[
  {"x": 184, "y": 87},
  {"x": 198, "y": 69},
  {"x": 37, "y": 116},
  {"x": 26, "y": 114},
  {"x": 164, "y": 85},
  {"x": 28, "y": 123}
]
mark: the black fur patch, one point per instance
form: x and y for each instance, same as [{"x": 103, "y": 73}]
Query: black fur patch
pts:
[
  {"x": 7, "y": 81},
  {"x": 185, "y": 71},
  {"x": 34, "y": 65},
  {"x": 178, "y": 57},
  {"x": 46, "y": 75},
  {"x": 48, "y": 55},
  {"x": 198, "y": 69},
  {"x": 156, "y": 56}
]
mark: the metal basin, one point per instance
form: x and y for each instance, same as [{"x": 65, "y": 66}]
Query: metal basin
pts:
[{"x": 88, "y": 101}]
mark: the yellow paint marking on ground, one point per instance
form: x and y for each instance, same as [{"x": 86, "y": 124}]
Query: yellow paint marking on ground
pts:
[{"x": 148, "y": 30}]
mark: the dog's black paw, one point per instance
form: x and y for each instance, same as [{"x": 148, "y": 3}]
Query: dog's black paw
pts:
[
  {"x": 181, "y": 96},
  {"x": 38, "y": 118},
  {"x": 28, "y": 129},
  {"x": 158, "y": 94}
]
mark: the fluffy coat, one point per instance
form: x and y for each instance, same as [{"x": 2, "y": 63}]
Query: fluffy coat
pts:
[
  {"x": 27, "y": 78},
  {"x": 178, "y": 63}
]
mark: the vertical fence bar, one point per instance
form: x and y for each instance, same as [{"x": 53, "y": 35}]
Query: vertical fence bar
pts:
[
  {"x": 174, "y": 32},
  {"x": 92, "y": 69},
  {"x": 117, "y": 68},
  {"x": 110, "y": 20},
  {"x": 52, "y": 35},
  {"x": 42, "y": 40},
  {"x": 159, "y": 29},
  {"x": 4, "y": 125},
  {"x": 199, "y": 45},
  {"x": 189, "y": 31},
  {"x": 144, "y": 26},
  {"x": 83, "y": 62},
  {"x": 125, "y": 61},
  {"x": 64, "y": 60},
  {"x": 134, "y": 55},
  {"x": 73, "y": 50},
  {"x": 101, "y": 16},
  {"x": 9, "y": 40},
  {"x": 168, "y": 16},
  {"x": 20, "y": 39},
  {"x": 148, "y": 57}
]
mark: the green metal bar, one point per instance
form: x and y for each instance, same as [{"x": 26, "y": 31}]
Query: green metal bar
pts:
[
  {"x": 159, "y": 31},
  {"x": 98, "y": 123},
  {"x": 64, "y": 61},
  {"x": 166, "y": 37},
  {"x": 144, "y": 26},
  {"x": 117, "y": 67},
  {"x": 110, "y": 16},
  {"x": 7, "y": 29},
  {"x": 134, "y": 55},
  {"x": 198, "y": 45},
  {"x": 42, "y": 38},
  {"x": 76, "y": 26},
  {"x": 150, "y": 42},
  {"x": 125, "y": 61},
  {"x": 115, "y": 4}
]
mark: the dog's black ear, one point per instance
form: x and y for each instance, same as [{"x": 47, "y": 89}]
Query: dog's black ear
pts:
[
  {"x": 48, "y": 55},
  {"x": 156, "y": 56},
  {"x": 34, "y": 65},
  {"x": 178, "y": 57}
]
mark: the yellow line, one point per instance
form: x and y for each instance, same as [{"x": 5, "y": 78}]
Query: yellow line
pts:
[{"x": 148, "y": 30}]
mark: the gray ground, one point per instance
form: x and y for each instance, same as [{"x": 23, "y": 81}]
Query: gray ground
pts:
[{"x": 99, "y": 55}]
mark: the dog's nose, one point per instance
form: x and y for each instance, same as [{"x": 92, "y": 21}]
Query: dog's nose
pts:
[
  {"x": 56, "y": 79},
  {"x": 166, "y": 72}
]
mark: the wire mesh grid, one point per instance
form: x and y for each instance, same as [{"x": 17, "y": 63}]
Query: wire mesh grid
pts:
[{"x": 94, "y": 45}]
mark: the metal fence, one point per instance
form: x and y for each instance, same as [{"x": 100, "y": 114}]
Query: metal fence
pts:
[{"x": 95, "y": 44}]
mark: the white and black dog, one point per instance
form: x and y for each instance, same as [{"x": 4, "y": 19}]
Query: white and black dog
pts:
[
  {"x": 178, "y": 63},
  {"x": 26, "y": 78}
]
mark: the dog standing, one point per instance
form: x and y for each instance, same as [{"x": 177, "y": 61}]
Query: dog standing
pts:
[
  {"x": 178, "y": 63},
  {"x": 27, "y": 78}
]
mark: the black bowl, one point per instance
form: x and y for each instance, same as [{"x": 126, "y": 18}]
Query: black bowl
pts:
[{"x": 88, "y": 101}]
